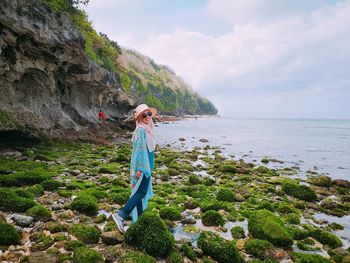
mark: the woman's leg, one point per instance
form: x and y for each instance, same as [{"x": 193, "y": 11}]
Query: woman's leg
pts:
[{"x": 136, "y": 199}]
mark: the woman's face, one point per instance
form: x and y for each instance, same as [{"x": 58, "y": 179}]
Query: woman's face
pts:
[{"x": 145, "y": 117}]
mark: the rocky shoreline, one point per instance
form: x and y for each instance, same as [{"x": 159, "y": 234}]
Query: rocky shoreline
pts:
[{"x": 56, "y": 198}]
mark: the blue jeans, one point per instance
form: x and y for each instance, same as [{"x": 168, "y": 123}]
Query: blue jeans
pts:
[{"x": 136, "y": 199}]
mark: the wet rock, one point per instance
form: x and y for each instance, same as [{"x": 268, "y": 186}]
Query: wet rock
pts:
[
  {"x": 203, "y": 140},
  {"x": 342, "y": 183},
  {"x": 112, "y": 238},
  {"x": 22, "y": 220},
  {"x": 188, "y": 221},
  {"x": 182, "y": 139}
]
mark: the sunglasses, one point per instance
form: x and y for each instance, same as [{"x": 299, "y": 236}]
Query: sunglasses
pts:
[{"x": 145, "y": 114}]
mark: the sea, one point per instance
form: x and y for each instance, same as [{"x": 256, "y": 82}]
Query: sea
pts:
[{"x": 312, "y": 146}]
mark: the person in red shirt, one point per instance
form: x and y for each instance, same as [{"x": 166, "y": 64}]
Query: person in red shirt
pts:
[{"x": 101, "y": 117}]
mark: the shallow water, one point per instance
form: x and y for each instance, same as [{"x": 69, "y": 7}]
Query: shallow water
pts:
[{"x": 322, "y": 146}]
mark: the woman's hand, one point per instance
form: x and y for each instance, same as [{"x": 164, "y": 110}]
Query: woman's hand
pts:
[{"x": 138, "y": 174}]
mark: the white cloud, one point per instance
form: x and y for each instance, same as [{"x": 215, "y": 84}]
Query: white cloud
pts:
[{"x": 299, "y": 53}]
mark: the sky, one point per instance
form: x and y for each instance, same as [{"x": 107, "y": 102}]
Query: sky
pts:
[{"x": 251, "y": 58}]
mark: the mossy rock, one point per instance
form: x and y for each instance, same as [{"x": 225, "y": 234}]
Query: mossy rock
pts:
[
  {"x": 87, "y": 234},
  {"x": 120, "y": 198},
  {"x": 326, "y": 238},
  {"x": 219, "y": 249},
  {"x": 237, "y": 232},
  {"x": 42, "y": 243},
  {"x": 10, "y": 201},
  {"x": 298, "y": 191},
  {"x": 258, "y": 248},
  {"x": 306, "y": 244},
  {"x": 65, "y": 193},
  {"x": 322, "y": 180},
  {"x": 292, "y": 218},
  {"x": 210, "y": 205},
  {"x": 263, "y": 224},
  {"x": 208, "y": 181},
  {"x": 188, "y": 252},
  {"x": 120, "y": 182},
  {"x": 174, "y": 257},
  {"x": 40, "y": 213},
  {"x": 72, "y": 245},
  {"x": 212, "y": 218},
  {"x": 265, "y": 160},
  {"x": 85, "y": 204},
  {"x": 87, "y": 255},
  {"x": 8, "y": 235},
  {"x": 55, "y": 227},
  {"x": 36, "y": 189},
  {"x": 137, "y": 257},
  {"x": 150, "y": 234},
  {"x": 263, "y": 170},
  {"x": 266, "y": 205},
  {"x": 297, "y": 233},
  {"x": 195, "y": 179},
  {"x": 309, "y": 258},
  {"x": 225, "y": 194},
  {"x": 24, "y": 193},
  {"x": 50, "y": 185},
  {"x": 228, "y": 168},
  {"x": 171, "y": 213}
]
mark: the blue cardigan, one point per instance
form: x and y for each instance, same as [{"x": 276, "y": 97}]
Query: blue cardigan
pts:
[{"x": 141, "y": 160}]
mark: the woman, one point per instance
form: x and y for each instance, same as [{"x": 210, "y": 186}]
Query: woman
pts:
[{"x": 141, "y": 166}]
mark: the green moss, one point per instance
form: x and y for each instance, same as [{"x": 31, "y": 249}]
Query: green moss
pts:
[
  {"x": 87, "y": 234},
  {"x": 174, "y": 257},
  {"x": 228, "y": 168},
  {"x": 265, "y": 225},
  {"x": 10, "y": 201},
  {"x": 171, "y": 213},
  {"x": 8, "y": 235},
  {"x": 120, "y": 198},
  {"x": 301, "y": 192},
  {"x": 6, "y": 121},
  {"x": 85, "y": 204},
  {"x": 125, "y": 81},
  {"x": 309, "y": 258},
  {"x": 137, "y": 257},
  {"x": 292, "y": 218},
  {"x": 219, "y": 249},
  {"x": 188, "y": 252},
  {"x": 150, "y": 234},
  {"x": 42, "y": 243},
  {"x": 210, "y": 205},
  {"x": 87, "y": 255},
  {"x": 36, "y": 189},
  {"x": 265, "y": 160},
  {"x": 65, "y": 193},
  {"x": 325, "y": 237},
  {"x": 225, "y": 194},
  {"x": 50, "y": 185},
  {"x": 55, "y": 227},
  {"x": 306, "y": 244},
  {"x": 237, "y": 232},
  {"x": 212, "y": 218},
  {"x": 266, "y": 205},
  {"x": 322, "y": 180},
  {"x": 297, "y": 233},
  {"x": 195, "y": 179},
  {"x": 40, "y": 213},
  {"x": 258, "y": 248},
  {"x": 73, "y": 245}
]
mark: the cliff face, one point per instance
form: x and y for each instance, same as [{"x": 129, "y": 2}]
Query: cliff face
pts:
[{"x": 47, "y": 82}]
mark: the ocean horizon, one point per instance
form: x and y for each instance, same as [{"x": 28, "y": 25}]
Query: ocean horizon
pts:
[{"x": 313, "y": 145}]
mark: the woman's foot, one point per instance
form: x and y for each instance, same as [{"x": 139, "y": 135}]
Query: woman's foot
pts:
[{"x": 119, "y": 221}]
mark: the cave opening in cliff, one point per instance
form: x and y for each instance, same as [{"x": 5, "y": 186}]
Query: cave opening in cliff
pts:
[{"x": 17, "y": 138}]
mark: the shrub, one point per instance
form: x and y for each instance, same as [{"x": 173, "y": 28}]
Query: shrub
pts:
[
  {"x": 301, "y": 192},
  {"x": 225, "y": 194},
  {"x": 85, "y": 233},
  {"x": 137, "y": 257},
  {"x": 309, "y": 258},
  {"x": 151, "y": 235},
  {"x": 85, "y": 204},
  {"x": 10, "y": 201},
  {"x": 265, "y": 225},
  {"x": 40, "y": 213},
  {"x": 212, "y": 218},
  {"x": 87, "y": 255},
  {"x": 171, "y": 213},
  {"x": 237, "y": 232},
  {"x": 195, "y": 179},
  {"x": 219, "y": 249},
  {"x": 50, "y": 185},
  {"x": 258, "y": 247},
  {"x": 8, "y": 235},
  {"x": 325, "y": 237}
]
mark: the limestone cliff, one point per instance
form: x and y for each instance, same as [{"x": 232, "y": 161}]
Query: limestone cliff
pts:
[{"x": 47, "y": 82}]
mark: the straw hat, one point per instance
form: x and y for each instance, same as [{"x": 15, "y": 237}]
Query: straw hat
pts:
[{"x": 141, "y": 108}]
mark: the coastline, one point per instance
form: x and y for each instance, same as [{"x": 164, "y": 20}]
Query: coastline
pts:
[{"x": 191, "y": 183}]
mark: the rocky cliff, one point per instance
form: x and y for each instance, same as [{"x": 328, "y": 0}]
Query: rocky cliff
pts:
[{"x": 47, "y": 82}]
